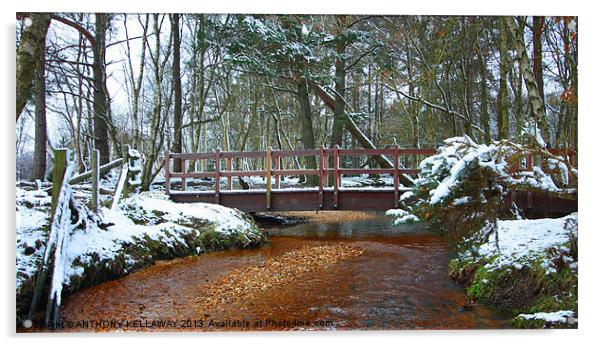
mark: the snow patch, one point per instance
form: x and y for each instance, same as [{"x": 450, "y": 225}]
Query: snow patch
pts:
[
  {"x": 520, "y": 242},
  {"x": 561, "y": 316},
  {"x": 401, "y": 216}
]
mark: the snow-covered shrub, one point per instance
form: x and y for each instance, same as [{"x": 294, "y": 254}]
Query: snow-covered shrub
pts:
[{"x": 462, "y": 188}]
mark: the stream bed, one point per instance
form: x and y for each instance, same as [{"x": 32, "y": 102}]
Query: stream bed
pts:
[{"x": 399, "y": 281}]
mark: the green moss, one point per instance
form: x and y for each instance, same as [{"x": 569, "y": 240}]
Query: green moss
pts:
[
  {"x": 521, "y": 323},
  {"x": 462, "y": 270},
  {"x": 512, "y": 291}
]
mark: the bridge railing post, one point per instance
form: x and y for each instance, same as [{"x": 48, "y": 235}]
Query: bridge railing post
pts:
[
  {"x": 277, "y": 176},
  {"x": 218, "y": 158},
  {"x": 183, "y": 170},
  {"x": 167, "y": 173},
  {"x": 335, "y": 175},
  {"x": 229, "y": 169},
  {"x": 396, "y": 174},
  {"x": 325, "y": 167},
  {"x": 268, "y": 178},
  {"x": 58, "y": 173},
  {"x": 321, "y": 178}
]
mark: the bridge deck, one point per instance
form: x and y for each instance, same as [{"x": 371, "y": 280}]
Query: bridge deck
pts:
[
  {"x": 295, "y": 199},
  {"x": 350, "y": 199}
]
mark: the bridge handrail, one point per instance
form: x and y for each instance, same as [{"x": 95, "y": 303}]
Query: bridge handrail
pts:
[
  {"x": 272, "y": 166},
  {"x": 272, "y": 162}
]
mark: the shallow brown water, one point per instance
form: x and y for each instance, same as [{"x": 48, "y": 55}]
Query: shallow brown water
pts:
[{"x": 399, "y": 282}]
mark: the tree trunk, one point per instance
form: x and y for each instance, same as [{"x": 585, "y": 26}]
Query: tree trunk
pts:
[
  {"x": 484, "y": 97},
  {"x": 101, "y": 140},
  {"x": 156, "y": 113},
  {"x": 535, "y": 102},
  {"x": 307, "y": 131},
  {"x": 339, "y": 99},
  {"x": 136, "y": 82},
  {"x": 39, "y": 151},
  {"x": 538, "y": 23},
  {"x": 357, "y": 133},
  {"x": 177, "y": 86},
  {"x": 503, "y": 117},
  {"x": 30, "y": 48}
]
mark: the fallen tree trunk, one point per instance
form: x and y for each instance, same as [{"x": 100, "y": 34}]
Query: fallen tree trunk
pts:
[{"x": 357, "y": 133}]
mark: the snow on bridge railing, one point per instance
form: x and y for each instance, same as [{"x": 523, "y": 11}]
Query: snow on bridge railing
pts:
[
  {"x": 561, "y": 163},
  {"x": 274, "y": 163}
]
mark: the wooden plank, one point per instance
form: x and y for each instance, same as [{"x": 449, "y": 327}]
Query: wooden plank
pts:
[
  {"x": 58, "y": 174},
  {"x": 102, "y": 169}
]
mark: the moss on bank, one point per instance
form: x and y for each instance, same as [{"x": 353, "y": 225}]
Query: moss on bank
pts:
[{"x": 512, "y": 291}]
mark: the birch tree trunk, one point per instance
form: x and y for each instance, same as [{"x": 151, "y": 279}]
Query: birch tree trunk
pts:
[{"x": 538, "y": 111}]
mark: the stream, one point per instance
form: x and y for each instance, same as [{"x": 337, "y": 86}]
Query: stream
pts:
[{"x": 398, "y": 282}]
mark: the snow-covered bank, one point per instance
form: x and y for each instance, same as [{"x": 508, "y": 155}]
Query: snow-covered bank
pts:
[
  {"x": 144, "y": 228},
  {"x": 520, "y": 242},
  {"x": 528, "y": 268}
]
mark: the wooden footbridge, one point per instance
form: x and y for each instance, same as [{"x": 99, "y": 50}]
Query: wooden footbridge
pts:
[{"x": 329, "y": 194}]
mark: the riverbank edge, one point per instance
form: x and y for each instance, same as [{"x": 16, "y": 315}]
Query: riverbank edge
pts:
[
  {"x": 143, "y": 252},
  {"x": 513, "y": 292}
]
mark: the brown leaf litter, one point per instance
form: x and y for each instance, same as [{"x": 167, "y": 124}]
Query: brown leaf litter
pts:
[{"x": 247, "y": 283}]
